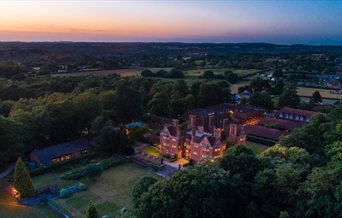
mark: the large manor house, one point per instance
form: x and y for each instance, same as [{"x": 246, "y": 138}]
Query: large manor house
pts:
[{"x": 210, "y": 129}]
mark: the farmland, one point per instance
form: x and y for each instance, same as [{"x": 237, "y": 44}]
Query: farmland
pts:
[
  {"x": 136, "y": 72},
  {"x": 325, "y": 93}
]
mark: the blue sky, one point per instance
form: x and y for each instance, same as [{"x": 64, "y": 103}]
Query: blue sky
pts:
[{"x": 285, "y": 22}]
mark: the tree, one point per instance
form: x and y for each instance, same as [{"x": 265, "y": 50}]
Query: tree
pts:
[
  {"x": 87, "y": 107},
  {"x": 147, "y": 73},
  {"x": 12, "y": 141},
  {"x": 22, "y": 180},
  {"x": 212, "y": 93},
  {"x": 257, "y": 84},
  {"x": 316, "y": 97},
  {"x": 140, "y": 187},
  {"x": 128, "y": 103},
  {"x": 159, "y": 105},
  {"x": 175, "y": 73},
  {"x": 201, "y": 191},
  {"x": 91, "y": 211},
  {"x": 278, "y": 73},
  {"x": 110, "y": 139},
  {"x": 310, "y": 137},
  {"x": 240, "y": 160},
  {"x": 231, "y": 77},
  {"x": 208, "y": 74},
  {"x": 294, "y": 154},
  {"x": 278, "y": 87},
  {"x": 320, "y": 194},
  {"x": 261, "y": 99},
  {"x": 54, "y": 123},
  {"x": 289, "y": 97}
]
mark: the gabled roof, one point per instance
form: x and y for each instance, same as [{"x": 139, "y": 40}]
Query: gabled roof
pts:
[
  {"x": 172, "y": 130},
  {"x": 45, "y": 155},
  {"x": 264, "y": 132},
  {"x": 295, "y": 111},
  {"x": 212, "y": 140}
]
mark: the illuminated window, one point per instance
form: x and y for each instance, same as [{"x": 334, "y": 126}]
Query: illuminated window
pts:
[{"x": 56, "y": 160}]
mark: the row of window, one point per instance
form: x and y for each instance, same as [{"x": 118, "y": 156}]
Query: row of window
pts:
[{"x": 291, "y": 116}]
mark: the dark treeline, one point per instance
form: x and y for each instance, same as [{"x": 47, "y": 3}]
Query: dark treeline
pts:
[{"x": 38, "y": 112}]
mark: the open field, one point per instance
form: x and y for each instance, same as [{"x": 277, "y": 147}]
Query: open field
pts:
[
  {"x": 239, "y": 72},
  {"x": 136, "y": 72},
  {"x": 325, "y": 93},
  {"x": 121, "y": 72},
  {"x": 110, "y": 192},
  {"x": 9, "y": 208}
]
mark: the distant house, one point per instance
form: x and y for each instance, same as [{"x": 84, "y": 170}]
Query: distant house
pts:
[
  {"x": 61, "y": 152},
  {"x": 333, "y": 85}
]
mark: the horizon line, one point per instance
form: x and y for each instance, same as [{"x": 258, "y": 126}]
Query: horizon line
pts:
[{"x": 166, "y": 42}]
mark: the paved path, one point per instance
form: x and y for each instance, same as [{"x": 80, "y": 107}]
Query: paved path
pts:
[
  {"x": 166, "y": 171},
  {"x": 175, "y": 164}
]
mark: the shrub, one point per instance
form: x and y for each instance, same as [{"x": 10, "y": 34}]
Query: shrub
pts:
[
  {"x": 82, "y": 187},
  {"x": 93, "y": 170},
  {"x": 64, "y": 193}
]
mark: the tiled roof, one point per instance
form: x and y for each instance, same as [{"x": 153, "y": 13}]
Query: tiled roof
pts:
[
  {"x": 288, "y": 110},
  {"x": 172, "y": 130},
  {"x": 45, "y": 155},
  {"x": 280, "y": 123},
  {"x": 264, "y": 132}
]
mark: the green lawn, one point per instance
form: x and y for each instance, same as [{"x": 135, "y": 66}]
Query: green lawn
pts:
[
  {"x": 107, "y": 207},
  {"x": 110, "y": 192},
  {"x": 80, "y": 199},
  {"x": 256, "y": 148}
]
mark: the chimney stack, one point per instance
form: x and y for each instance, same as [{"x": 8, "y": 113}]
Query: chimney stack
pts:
[
  {"x": 217, "y": 133},
  {"x": 176, "y": 125},
  {"x": 193, "y": 134}
]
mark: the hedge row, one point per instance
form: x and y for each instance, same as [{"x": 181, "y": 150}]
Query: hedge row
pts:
[
  {"x": 49, "y": 168},
  {"x": 92, "y": 170}
]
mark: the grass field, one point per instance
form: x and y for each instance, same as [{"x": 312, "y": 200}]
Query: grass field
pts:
[
  {"x": 121, "y": 72},
  {"x": 239, "y": 72},
  {"x": 325, "y": 93},
  {"x": 9, "y": 208},
  {"x": 256, "y": 148},
  {"x": 110, "y": 192}
]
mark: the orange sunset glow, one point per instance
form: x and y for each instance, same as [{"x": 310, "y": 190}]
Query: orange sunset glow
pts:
[{"x": 165, "y": 21}]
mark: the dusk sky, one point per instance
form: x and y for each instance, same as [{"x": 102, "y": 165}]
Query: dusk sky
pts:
[{"x": 283, "y": 22}]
